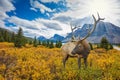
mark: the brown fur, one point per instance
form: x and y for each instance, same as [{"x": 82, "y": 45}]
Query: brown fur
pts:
[{"x": 79, "y": 49}]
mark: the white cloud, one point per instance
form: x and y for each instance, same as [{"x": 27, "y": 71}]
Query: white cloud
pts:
[
  {"x": 5, "y": 6},
  {"x": 3, "y": 15},
  {"x": 33, "y": 9},
  {"x": 39, "y": 27},
  {"x": 51, "y": 24},
  {"x": 41, "y": 7},
  {"x": 22, "y": 22},
  {"x": 54, "y": 27},
  {"x": 48, "y": 14},
  {"x": 31, "y": 27},
  {"x": 2, "y": 24},
  {"x": 63, "y": 19},
  {"x": 48, "y": 1},
  {"x": 78, "y": 9}
]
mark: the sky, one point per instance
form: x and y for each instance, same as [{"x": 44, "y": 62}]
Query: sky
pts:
[{"x": 49, "y": 17}]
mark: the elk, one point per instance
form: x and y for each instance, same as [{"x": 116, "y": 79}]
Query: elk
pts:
[{"x": 79, "y": 48}]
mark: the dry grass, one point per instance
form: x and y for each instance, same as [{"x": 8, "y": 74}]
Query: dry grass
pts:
[{"x": 46, "y": 64}]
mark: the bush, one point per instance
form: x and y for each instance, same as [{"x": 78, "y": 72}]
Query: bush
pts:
[{"x": 105, "y": 44}]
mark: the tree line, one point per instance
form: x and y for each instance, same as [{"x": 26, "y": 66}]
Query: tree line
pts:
[
  {"x": 6, "y": 36},
  {"x": 20, "y": 40},
  {"x": 46, "y": 43},
  {"x": 104, "y": 43}
]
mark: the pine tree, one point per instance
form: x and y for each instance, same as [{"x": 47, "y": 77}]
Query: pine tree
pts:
[
  {"x": 39, "y": 42},
  {"x": 35, "y": 42},
  {"x": 1, "y": 37},
  {"x": 44, "y": 43},
  {"x": 6, "y": 36},
  {"x": 58, "y": 44},
  {"x": 104, "y": 43},
  {"x": 19, "y": 39},
  {"x": 24, "y": 41},
  {"x": 47, "y": 43},
  {"x": 13, "y": 37},
  {"x": 51, "y": 45}
]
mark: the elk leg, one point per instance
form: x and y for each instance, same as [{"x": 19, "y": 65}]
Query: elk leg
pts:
[
  {"x": 85, "y": 62},
  {"x": 79, "y": 62},
  {"x": 65, "y": 59}
]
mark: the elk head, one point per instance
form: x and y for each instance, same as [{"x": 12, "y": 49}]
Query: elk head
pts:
[{"x": 79, "y": 47}]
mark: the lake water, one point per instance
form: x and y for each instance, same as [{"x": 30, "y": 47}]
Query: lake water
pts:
[{"x": 116, "y": 47}]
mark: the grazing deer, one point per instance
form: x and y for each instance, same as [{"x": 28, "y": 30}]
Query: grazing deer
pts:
[{"x": 79, "y": 48}]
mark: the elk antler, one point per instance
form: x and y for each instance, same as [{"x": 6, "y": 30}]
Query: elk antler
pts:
[
  {"x": 94, "y": 26},
  {"x": 72, "y": 29}
]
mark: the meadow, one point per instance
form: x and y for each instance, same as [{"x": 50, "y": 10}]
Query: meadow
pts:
[{"x": 41, "y": 63}]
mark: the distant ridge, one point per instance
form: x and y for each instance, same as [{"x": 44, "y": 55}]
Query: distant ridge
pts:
[
  {"x": 42, "y": 38},
  {"x": 55, "y": 38},
  {"x": 103, "y": 29}
]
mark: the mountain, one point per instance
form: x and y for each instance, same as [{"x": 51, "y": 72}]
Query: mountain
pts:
[
  {"x": 103, "y": 29},
  {"x": 56, "y": 37},
  {"x": 42, "y": 38}
]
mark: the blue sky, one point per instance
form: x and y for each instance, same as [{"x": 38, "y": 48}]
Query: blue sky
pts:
[{"x": 49, "y": 17}]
